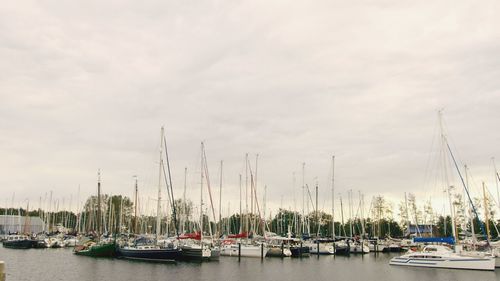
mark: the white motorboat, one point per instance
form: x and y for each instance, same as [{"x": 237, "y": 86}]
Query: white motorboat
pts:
[
  {"x": 439, "y": 256},
  {"x": 324, "y": 248},
  {"x": 250, "y": 251},
  {"x": 359, "y": 247}
]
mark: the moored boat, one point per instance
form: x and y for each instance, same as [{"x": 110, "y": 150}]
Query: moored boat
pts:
[
  {"x": 19, "y": 242},
  {"x": 96, "y": 250},
  {"x": 148, "y": 253},
  {"x": 438, "y": 256},
  {"x": 244, "y": 250}
]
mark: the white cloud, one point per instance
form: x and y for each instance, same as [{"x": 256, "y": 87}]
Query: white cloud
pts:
[{"x": 87, "y": 86}]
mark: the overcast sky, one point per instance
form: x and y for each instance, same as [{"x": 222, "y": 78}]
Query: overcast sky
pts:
[{"x": 86, "y": 85}]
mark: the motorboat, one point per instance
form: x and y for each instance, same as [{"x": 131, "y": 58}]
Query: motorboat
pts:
[
  {"x": 19, "y": 242},
  {"x": 243, "y": 250},
  {"x": 439, "y": 256}
]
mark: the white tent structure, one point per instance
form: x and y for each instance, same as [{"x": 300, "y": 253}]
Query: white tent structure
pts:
[{"x": 20, "y": 224}]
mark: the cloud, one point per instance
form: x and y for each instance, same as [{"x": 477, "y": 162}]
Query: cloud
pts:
[{"x": 88, "y": 86}]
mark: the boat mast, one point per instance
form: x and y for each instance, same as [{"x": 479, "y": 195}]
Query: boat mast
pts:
[
  {"x": 246, "y": 193},
  {"x": 295, "y": 230},
  {"x": 486, "y": 217},
  {"x": 201, "y": 195},
  {"x": 408, "y": 216},
  {"x": 469, "y": 209},
  {"x": 220, "y": 200},
  {"x": 98, "y": 204},
  {"x": 342, "y": 214},
  {"x": 135, "y": 204},
  {"x": 170, "y": 189},
  {"x": 317, "y": 214},
  {"x": 350, "y": 212},
  {"x": 333, "y": 198},
  {"x": 303, "y": 199},
  {"x": 241, "y": 217},
  {"x": 158, "y": 206},
  {"x": 461, "y": 178},
  {"x": 184, "y": 211},
  {"x": 497, "y": 178},
  {"x": 362, "y": 218}
]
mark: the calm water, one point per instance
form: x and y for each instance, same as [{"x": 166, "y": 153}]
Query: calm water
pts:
[{"x": 61, "y": 264}]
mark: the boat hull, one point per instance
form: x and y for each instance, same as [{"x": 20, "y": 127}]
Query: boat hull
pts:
[
  {"x": 451, "y": 263},
  {"x": 246, "y": 251},
  {"x": 104, "y": 250},
  {"x": 19, "y": 244},
  {"x": 278, "y": 252},
  {"x": 298, "y": 251},
  {"x": 149, "y": 254},
  {"x": 199, "y": 254},
  {"x": 321, "y": 249}
]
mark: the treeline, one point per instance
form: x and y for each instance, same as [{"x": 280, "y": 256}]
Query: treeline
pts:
[{"x": 117, "y": 216}]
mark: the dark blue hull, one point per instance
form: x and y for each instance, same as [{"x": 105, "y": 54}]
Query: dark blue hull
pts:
[
  {"x": 300, "y": 251},
  {"x": 19, "y": 244},
  {"x": 157, "y": 255}
]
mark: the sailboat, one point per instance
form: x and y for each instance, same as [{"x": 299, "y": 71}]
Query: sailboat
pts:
[
  {"x": 197, "y": 249},
  {"x": 143, "y": 249},
  {"x": 100, "y": 248},
  {"x": 440, "y": 256},
  {"x": 238, "y": 245}
]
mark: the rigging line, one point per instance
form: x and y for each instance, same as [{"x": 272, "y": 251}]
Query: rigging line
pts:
[
  {"x": 468, "y": 195},
  {"x": 171, "y": 195},
  {"x": 310, "y": 198},
  {"x": 208, "y": 184}
]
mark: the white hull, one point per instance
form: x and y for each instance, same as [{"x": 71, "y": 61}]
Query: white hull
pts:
[
  {"x": 246, "y": 251},
  {"x": 358, "y": 248},
  {"x": 377, "y": 248},
  {"x": 324, "y": 249},
  {"x": 452, "y": 263}
]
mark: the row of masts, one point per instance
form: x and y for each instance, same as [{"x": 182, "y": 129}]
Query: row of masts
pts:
[{"x": 252, "y": 220}]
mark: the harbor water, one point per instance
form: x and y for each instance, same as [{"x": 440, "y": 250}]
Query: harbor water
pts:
[{"x": 62, "y": 264}]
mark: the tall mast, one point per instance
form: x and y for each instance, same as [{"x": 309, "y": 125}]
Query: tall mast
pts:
[
  {"x": 246, "y": 192},
  {"x": 445, "y": 171},
  {"x": 220, "y": 200},
  {"x": 452, "y": 213},
  {"x": 350, "y": 213},
  {"x": 408, "y": 215},
  {"x": 333, "y": 198},
  {"x": 497, "y": 178},
  {"x": 241, "y": 217},
  {"x": 98, "y": 204},
  {"x": 264, "y": 203},
  {"x": 469, "y": 208},
  {"x": 184, "y": 211},
  {"x": 158, "y": 206},
  {"x": 486, "y": 215},
  {"x": 201, "y": 195},
  {"x": 136, "y": 192},
  {"x": 317, "y": 215},
  {"x": 362, "y": 206},
  {"x": 255, "y": 181},
  {"x": 342, "y": 214},
  {"x": 303, "y": 199}
]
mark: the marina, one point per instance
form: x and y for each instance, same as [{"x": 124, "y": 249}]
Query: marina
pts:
[
  {"x": 64, "y": 265},
  {"x": 226, "y": 140}
]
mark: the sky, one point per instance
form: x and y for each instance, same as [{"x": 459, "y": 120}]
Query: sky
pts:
[{"x": 86, "y": 85}]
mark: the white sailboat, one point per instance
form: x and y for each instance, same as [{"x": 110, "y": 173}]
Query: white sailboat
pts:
[
  {"x": 199, "y": 249},
  {"x": 439, "y": 256}
]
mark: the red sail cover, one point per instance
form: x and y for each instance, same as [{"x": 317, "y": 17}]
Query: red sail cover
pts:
[
  {"x": 240, "y": 235},
  {"x": 195, "y": 236}
]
